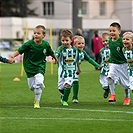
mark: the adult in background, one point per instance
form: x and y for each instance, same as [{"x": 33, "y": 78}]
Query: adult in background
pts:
[{"x": 97, "y": 46}]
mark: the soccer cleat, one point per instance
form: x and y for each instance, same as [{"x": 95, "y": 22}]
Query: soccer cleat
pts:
[
  {"x": 75, "y": 101},
  {"x": 112, "y": 98},
  {"x": 64, "y": 103},
  {"x": 36, "y": 105},
  {"x": 126, "y": 101}
]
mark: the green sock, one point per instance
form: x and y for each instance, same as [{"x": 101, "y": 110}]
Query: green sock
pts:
[
  {"x": 75, "y": 89},
  {"x": 66, "y": 93}
]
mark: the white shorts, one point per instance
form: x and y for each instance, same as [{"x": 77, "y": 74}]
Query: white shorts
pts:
[
  {"x": 119, "y": 73},
  {"x": 76, "y": 78},
  {"x": 63, "y": 81},
  {"x": 103, "y": 80},
  {"x": 36, "y": 81}
]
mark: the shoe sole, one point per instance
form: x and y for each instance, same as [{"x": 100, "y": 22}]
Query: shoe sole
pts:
[
  {"x": 126, "y": 104},
  {"x": 36, "y": 107},
  {"x": 112, "y": 102}
]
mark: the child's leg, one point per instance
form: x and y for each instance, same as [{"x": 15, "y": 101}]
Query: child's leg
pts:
[
  {"x": 61, "y": 92},
  {"x": 104, "y": 82},
  {"x": 106, "y": 91},
  {"x": 75, "y": 89},
  {"x": 38, "y": 93},
  {"x": 127, "y": 93},
  {"x": 67, "y": 90},
  {"x": 36, "y": 84},
  {"x": 111, "y": 85},
  {"x": 112, "y": 97}
]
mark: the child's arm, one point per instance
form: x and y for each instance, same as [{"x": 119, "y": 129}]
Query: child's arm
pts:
[
  {"x": 91, "y": 61},
  {"x": 78, "y": 71},
  {"x": 16, "y": 53},
  {"x": 5, "y": 60},
  {"x": 55, "y": 59}
]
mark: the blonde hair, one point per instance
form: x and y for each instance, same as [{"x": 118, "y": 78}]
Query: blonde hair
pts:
[
  {"x": 105, "y": 34},
  {"x": 129, "y": 33},
  {"x": 79, "y": 32},
  {"x": 43, "y": 29},
  {"x": 76, "y": 38}
]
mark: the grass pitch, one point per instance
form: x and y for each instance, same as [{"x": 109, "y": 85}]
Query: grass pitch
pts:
[{"x": 93, "y": 114}]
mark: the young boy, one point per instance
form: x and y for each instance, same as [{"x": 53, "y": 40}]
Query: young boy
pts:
[
  {"x": 68, "y": 65},
  {"x": 34, "y": 61},
  {"x": 128, "y": 53},
  {"x": 105, "y": 54},
  {"x": 117, "y": 65},
  {"x": 79, "y": 43}
]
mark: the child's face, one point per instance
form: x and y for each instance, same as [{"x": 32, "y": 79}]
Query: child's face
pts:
[
  {"x": 38, "y": 35},
  {"x": 80, "y": 43},
  {"x": 114, "y": 33},
  {"x": 127, "y": 41},
  {"x": 66, "y": 41},
  {"x": 105, "y": 41}
]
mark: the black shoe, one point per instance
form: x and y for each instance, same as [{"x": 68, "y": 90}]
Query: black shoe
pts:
[{"x": 106, "y": 94}]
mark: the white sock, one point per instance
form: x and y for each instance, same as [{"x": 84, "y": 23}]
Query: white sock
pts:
[
  {"x": 111, "y": 85},
  {"x": 38, "y": 93},
  {"x": 127, "y": 93}
]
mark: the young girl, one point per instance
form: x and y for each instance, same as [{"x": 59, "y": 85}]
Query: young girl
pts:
[
  {"x": 128, "y": 53},
  {"x": 34, "y": 61}
]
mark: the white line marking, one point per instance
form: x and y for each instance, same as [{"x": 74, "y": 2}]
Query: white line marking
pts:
[
  {"x": 72, "y": 109},
  {"x": 72, "y": 119}
]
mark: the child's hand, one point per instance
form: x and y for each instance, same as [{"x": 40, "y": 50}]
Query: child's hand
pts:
[
  {"x": 99, "y": 68},
  {"x": 11, "y": 60},
  {"x": 54, "y": 61},
  {"x": 78, "y": 72}
]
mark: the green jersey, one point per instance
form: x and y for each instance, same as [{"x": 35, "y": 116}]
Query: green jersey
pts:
[
  {"x": 67, "y": 61},
  {"x": 116, "y": 54},
  {"x": 105, "y": 54},
  {"x": 129, "y": 56},
  {"x": 84, "y": 56},
  {"x": 35, "y": 57},
  {"x": 3, "y": 59}
]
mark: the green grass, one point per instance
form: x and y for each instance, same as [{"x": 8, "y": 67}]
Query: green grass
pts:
[{"x": 93, "y": 114}]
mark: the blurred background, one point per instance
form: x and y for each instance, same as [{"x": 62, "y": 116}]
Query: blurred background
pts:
[{"x": 19, "y": 17}]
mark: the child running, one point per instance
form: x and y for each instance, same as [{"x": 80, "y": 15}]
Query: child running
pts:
[
  {"x": 79, "y": 43},
  {"x": 128, "y": 53},
  {"x": 34, "y": 61},
  {"x": 117, "y": 65},
  {"x": 105, "y": 54},
  {"x": 68, "y": 65}
]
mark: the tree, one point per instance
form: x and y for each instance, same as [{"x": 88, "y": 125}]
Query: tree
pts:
[{"x": 16, "y": 8}]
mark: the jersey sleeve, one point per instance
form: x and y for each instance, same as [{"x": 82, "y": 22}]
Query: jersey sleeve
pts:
[
  {"x": 58, "y": 50},
  {"x": 49, "y": 50},
  {"x": 4, "y": 60},
  {"x": 90, "y": 60},
  {"x": 24, "y": 47}
]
